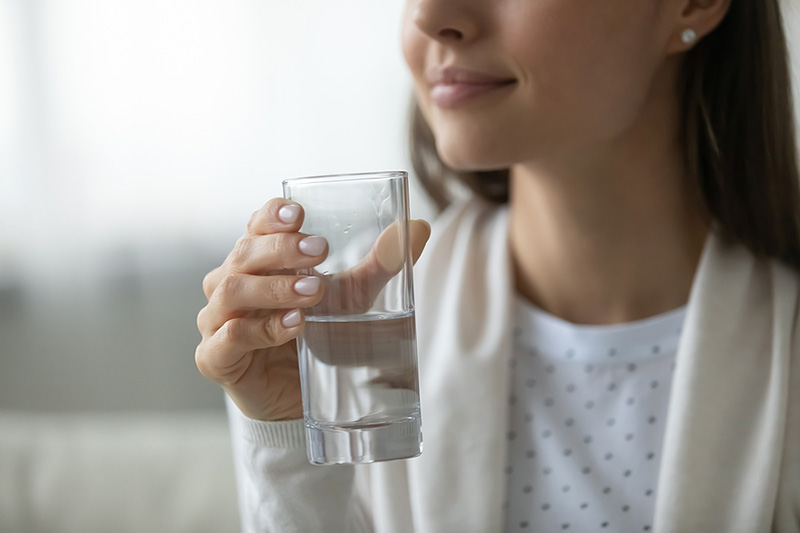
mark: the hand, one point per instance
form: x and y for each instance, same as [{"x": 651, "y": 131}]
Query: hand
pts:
[{"x": 254, "y": 300}]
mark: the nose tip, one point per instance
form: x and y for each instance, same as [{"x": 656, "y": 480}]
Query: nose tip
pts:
[
  {"x": 445, "y": 20},
  {"x": 451, "y": 34}
]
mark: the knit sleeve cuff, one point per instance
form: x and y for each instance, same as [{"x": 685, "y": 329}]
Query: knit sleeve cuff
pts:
[{"x": 285, "y": 434}]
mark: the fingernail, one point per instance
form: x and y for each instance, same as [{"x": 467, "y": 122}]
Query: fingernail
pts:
[
  {"x": 291, "y": 319},
  {"x": 289, "y": 213},
  {"x": 307, "y": 286},
  {"x": 313, "y": 245}
]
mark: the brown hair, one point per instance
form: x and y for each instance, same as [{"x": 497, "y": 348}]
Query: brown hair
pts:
[{"x": 738, "y": 135}]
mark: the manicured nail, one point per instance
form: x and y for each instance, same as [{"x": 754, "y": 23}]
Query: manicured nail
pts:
[
  {"x": 307, "y": 286},
  {"x": 291, "y": 319},
  {"x": 289, "y": 213},
  {"x": 313, "y": 245}
]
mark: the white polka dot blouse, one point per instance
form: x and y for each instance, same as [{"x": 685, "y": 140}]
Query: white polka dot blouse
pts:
[{"x": 587, "y": 412}]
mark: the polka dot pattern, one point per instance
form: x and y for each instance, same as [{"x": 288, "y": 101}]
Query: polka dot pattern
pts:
[{"x": 587, "y": 411}]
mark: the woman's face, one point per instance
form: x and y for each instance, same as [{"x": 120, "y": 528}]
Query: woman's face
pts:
[{"x": 502, "y": 82}]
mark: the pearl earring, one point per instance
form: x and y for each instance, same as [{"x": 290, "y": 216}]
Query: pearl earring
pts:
[{"x": 688, "y": 36}]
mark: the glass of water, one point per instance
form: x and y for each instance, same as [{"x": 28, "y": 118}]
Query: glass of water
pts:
[{"x": 357, "y": 353}]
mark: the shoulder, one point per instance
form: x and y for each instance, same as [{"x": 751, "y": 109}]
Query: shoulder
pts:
[{"x": 731, "y": 275}]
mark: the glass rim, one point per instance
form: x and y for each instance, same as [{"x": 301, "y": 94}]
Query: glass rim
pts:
[{"x": 353, "y": 176}]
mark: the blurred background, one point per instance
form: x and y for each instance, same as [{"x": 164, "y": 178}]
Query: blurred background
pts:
[{"x": 136, "y": 138}]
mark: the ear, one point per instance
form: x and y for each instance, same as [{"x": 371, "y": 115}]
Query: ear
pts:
[{"x": 700, "y": 16}]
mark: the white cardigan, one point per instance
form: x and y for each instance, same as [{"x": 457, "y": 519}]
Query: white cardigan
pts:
[{"x": 731, "y": 458}]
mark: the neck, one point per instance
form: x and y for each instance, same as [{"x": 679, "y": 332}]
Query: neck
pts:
[{"x": 610, "y": 236}]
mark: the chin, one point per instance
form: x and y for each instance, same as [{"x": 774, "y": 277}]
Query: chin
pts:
[{"x": 469, "y": 157}]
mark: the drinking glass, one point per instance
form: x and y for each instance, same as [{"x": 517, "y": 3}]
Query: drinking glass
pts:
[{"x": 357, "y": 353}]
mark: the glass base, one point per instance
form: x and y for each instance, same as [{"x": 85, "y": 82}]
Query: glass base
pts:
[{"x": 363, "y": 444}]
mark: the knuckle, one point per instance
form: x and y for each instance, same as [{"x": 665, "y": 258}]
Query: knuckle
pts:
[
  {"x": 202, "y": 361},
  {"x": 244, "y": 333},
  {"x": 283, "y": 245},
  {"x": 274, "y": 289},
  {"x": 201, "y": 321},
  {"x": 234, "y": 331},
  {"x": 241, "y": 251},
  {"x": 259, "y": 219},
  {"x": 278, "y": 243},
  {"x": 210, "y": 283},
  {"x": 229, "y": 288},
  {"x": 273, "y": 330},
  {"x": 252, "y": 224},
  {"x": 271, "y": 208}
]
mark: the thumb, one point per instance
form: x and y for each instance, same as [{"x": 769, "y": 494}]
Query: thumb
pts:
[
  {"x": 354, "y": 290},
  {"x": 387, "y": 252}
]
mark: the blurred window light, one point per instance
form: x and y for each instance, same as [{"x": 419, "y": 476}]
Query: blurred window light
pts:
[{"x": 142, "y": 124}]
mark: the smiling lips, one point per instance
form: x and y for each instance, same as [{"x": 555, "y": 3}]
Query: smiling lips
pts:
[{"x": 453, "y": 87}]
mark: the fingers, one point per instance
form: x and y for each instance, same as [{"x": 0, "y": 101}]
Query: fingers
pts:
[
  {"x": 260, "y": 254},
  {"x": 211, "y": 280},
  {"x": 239, "y": 293},
  {"x": 272, "y": 242},
  {"x": 265, "y": 253},
  {"x": 277, "y": 215},
  {"x": 222, "y": 356}
]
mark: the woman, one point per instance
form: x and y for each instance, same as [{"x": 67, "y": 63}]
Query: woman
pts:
[{"x": 608, "y": 327}]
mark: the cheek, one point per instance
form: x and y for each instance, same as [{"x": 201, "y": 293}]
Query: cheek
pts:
[
  {"x": 413, "y": 44},
  {"x": 580, "y": 78},
  {"x": 556, "y": 61}
]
